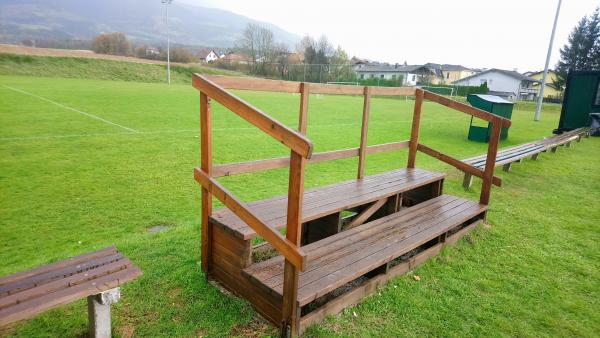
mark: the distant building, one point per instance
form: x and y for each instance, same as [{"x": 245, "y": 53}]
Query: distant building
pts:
[
  {"x": 446, "y": 74},
  {"x": 504, "y": 83},
  {"x": 411, "y": 74},
  {"x": 208, "y": 55},
  {"x": 237, "y": 58},
  {"x": 550, "y": 90}
]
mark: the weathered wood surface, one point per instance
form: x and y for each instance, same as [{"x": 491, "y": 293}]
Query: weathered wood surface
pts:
[
  {"x": 282, "y": 162},
  {"x": 341, "y": 258},
  {"x": 362, "y": 149},
  {"x": 259, "y": 84},
  {"x": 482, "y": 114},
  {"x": 26, "y": 294},
  {"x": 291, "y": 138},
  {"x": 322, "y": 201},
  {"x": 206, "y": 166},
  {"x": 245, "y": 214}
]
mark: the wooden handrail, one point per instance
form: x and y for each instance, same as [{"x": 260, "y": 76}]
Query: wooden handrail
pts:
[
  {"x": 291, "y": 138},
  {"x": 458, "y": 164},
  {"x": 282, "y": 162},
  {"x": 289, "y": 250},
  {"x": 482, "y": 114},
  {"x": 258, "y": 84}
]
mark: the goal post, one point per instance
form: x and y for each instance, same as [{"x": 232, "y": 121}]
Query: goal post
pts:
[{"x": 448, "y": 91}]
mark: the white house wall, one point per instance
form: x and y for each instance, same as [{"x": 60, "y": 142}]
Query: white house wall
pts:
[{"x": 496, "y": 81}]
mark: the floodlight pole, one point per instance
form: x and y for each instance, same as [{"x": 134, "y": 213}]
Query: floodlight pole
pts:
[
  {"x": 538, "y": 108},
  {"x": 167, "y": 3}
]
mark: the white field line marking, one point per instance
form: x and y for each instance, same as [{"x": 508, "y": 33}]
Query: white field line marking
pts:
[
  {"x": 70, "y": 108},
  {"x": 49, "y": 137}
]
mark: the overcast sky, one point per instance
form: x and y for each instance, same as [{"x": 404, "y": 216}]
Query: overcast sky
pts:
[{"x": 475, "y": 33}]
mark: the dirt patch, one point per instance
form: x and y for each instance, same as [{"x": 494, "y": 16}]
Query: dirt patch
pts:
[
  {"x": 126, "y": 331},
  {"x": 257, "y": 327}
]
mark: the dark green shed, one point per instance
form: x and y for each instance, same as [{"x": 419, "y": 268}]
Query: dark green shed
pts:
[
  {"x": 582, "y": 97},
  {"x": 493, "y": 104}
]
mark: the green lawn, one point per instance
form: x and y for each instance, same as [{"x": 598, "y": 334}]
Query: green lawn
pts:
[{"x": 88, "y": 163}]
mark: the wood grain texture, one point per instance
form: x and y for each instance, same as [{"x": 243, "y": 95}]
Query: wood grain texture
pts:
[
  {"x": 414, "y": 133},
  {"x": 465, "y": 167},
  {"x": 467, "y": 109},
  {"x": 303, "y": 114},
  {"x": 206, "y": 166},
  {"x": 289, "y": 137},
  {"x": 486, "y": 185},
  {"x": 286, "y": 248},
  {"x": 362, "y": 149},
  {"x": 282, "y": 162}
]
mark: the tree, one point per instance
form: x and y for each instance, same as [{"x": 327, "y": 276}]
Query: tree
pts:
[
  {"x": 582, "y": 50},
  {"x": 112, "y": 43}
]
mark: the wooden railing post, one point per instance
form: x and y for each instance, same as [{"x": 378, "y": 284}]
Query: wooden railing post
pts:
[
  {"x": 414, "y": 133},
  {"x": 206, "y": 166},
  {"x": 490, "y": 163},
  {"x": 291, "y": 312},
  {"x": 363, "y": 133},
  {"x": 303, "y": 115}
]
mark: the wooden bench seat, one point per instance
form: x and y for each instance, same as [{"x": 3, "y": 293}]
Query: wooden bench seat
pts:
[
  {"x": 506, "y": 157},
  {"x": 323, "y": 201},
  {"x": 339, "y": 259},
  {"x": 26, "y": 294}
]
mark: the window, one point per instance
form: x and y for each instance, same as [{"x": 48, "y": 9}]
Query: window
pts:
[
  {"x": 597, "y": 99},
  {"x": 362, "y": 76},
  {"x": 448, "y": 75},
  {"x": 414, "y": 77},
  {"x": 381, "y": 76},
  {"x": 393, "y": 76},
  {"x": 482, "y": 81},
  {"x": 372, "y": 76}
]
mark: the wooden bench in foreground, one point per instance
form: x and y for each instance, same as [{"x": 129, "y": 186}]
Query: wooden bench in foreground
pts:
[
  {"x": 97, "y": 276},
  {"x": 508, "y": 156}
]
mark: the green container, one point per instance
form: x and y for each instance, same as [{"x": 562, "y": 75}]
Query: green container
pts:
[
  {"x": 496, "y": 105},
  {"x": 582, "y": 98}
]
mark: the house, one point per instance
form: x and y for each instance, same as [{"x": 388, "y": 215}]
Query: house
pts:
[
  {"x": 446, "y": 73},
  {"x": 507, "y": 84},
  {"x": 237, "y": 58},
  {"x": 411, "y": 74},
  {"x": 207, "y": 55},
  {"x": 550, "y": 90}
]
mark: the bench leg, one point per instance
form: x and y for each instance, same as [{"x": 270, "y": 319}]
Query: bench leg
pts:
[
  {"x": 467, "y": 181},
  {"x": 99, "y": 312},
  {"x": 506, "y": 167},
  {"x": 535, "y": 156},
  {"x": 578, "y": 138},
  {"x": 568, "y": 145},
  {"x": 554, "y": 149}
]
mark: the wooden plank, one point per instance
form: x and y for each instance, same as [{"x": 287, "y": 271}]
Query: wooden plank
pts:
[
  {"x": 365, "y": 214},
  {"x": 454, "y": 238},
  {"x": 206, "y": 166},
  {"x": 467, "y": 109},
  {"x": 303, "y": 114},
  {"x": 486, "y": 186},
  {"x": 291, "y": 311},
  {"x": 282, "y": 162},
  {"x": 260, "y": 84},
  {"x": 58, "y": 265},
  {"x": 63, "y": 283},
  {"x": 467, "y": 168},
  {"x": 286, "y": 248},
  {"x": 330, "y": 199},
  {"x": 50, "y": 276},
  {"x": 291, "y": 138},
  {"x": 414, "y": 134},
  {"x": 255, "y": 83},
  {"x": 37, "y": 305},
  {"x": 363, "y": 133}
]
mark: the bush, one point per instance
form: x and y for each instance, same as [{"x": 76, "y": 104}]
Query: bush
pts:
[{"x": 113, "y": 44}]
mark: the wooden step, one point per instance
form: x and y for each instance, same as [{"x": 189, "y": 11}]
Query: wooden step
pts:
[
  {"x": 341, "y": 258},
  {"x": 323, "y": 201}
]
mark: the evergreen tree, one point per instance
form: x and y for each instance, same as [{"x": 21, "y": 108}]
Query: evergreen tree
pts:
[{"x": 582, "y": 51}]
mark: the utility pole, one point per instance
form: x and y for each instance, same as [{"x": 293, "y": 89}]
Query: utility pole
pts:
[
  {"x": 538, "y": 109},
  {"x": 167, "y": 3}
]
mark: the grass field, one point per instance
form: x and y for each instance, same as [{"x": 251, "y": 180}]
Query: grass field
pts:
[{"x": 89, "y": 163}]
